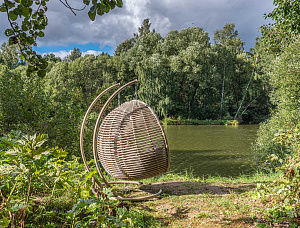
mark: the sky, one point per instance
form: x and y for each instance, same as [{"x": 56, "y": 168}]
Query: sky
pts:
[{"x": 66, "y": 31}]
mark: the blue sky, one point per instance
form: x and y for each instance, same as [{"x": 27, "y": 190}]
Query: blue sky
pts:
[
  {"x": 88, "y": 48},
  {"x": 66, "y": 31}
]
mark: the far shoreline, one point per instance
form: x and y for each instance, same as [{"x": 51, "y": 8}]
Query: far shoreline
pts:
[{"x": 170, "y": 121}]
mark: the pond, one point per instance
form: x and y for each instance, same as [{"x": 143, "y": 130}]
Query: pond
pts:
[{"x": 211, "y": 149}]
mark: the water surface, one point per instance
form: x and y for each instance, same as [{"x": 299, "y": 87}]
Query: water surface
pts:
[{"x": 211, "y": 149}]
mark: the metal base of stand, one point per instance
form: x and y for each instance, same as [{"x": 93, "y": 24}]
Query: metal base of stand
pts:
[{"x": 118, "y": 197}]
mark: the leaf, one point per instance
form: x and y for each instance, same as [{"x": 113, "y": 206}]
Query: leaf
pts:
[
  {"x": 25, "y": 12},
  {"x": 9, "y": 169},
  {"x": 12, "y": 40},
  {"x": 9, "y": 32},
  {"x": 3, "y": 8},
  {"x": 93, "y": 9},
  {"x": 30, "y": 40},
  {"x": 106, "y": 8},
  {"x": 119, "y": 3},
  {"x": 92, "y": 15},
  {"x": 112, "y": 4},
  {"x": 87, "y": 2},
  {"x": 23, "y": 167},
  {"x": 9, "y": 4},
  {"x": 4, "y": 222},
  {"x": 16, "y": 207},
  {"x": 56, "y": 152},
  {"x": 90, "y": 174},
  {"x": 12, "y": 15},
  {"x": 78, "y": 225},
  {"x": 11, "y": 152},
  {"x": 41, "y": 73},
  {"x": 100, "y": 9},
  {"x": 44, "y": 180}
]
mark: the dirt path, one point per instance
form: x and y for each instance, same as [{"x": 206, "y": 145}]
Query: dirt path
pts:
[{"x": 199, "y": 204}]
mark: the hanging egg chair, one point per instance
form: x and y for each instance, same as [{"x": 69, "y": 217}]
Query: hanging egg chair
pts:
[{"x": 129, "y": 143}]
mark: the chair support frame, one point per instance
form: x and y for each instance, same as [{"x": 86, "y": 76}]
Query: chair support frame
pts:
[{"x": 96, "y": 159}]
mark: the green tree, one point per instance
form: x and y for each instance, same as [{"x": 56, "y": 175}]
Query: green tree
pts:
[
  {"x": 228, "y": 36},
  {"x": 33, "y": 20},
  {"x": 10, "y": 55},
  {"x": 286, "y": 17},
  {"x": 129, "y": 43},
  {"x": 75, "y": 53},
  {"x": 145, "y": 27},
  {"x": 280, "y": 60},
  {"x": 231, "y": 56},
  {"x": 23, "y": 102},
  {"x": 51, "y": 57},
  {"x": 125, "y": 46},
  {"x": 187, "y": 52}
]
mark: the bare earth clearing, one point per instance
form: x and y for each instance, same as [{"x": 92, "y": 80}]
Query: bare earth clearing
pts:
[{"x": 200, "y": 204}]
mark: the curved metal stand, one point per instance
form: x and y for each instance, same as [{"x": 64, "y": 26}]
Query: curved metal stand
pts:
[
  {"x": 106, "y": 183},
  {"x": 82, "y": 129}
]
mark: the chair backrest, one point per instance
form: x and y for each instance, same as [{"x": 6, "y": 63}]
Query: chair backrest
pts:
[{"x": 131, "y": 143}]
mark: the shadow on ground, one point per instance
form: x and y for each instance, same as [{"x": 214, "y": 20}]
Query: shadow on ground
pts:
[{"x": 195, "y": 188}]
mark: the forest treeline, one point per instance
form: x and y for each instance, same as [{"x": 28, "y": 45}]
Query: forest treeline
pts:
[{"x": 182, "y": 75}]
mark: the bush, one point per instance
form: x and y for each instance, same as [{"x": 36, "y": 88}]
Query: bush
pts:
[
  {"x": 38, "y": 186},
  {"x": 264, "y": 145}
]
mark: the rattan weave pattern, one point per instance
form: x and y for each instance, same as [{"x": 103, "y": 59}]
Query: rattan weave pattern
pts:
[{"x": 131, "y": 143}]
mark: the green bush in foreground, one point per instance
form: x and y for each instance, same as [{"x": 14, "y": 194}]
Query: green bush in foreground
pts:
[
  {"x": 265, "y": 144},
  {"x": 284, "y": 195},
  {"x": 39, "y": 188},
  {"x": 278, "y": 143}
]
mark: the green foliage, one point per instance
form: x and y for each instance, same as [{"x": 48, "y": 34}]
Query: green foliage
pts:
[
  {"x": 9, "y": 55},
  {"x": 285, "y": 77},
  {"x": 99, "y": 212},
  {"x": 180, "y": 75},
  {"x": 265, "y": 146},
  {"x": 21, "y": 166},
  {"x": 285, "y": 194},
  {"x": 285, "y": 80},
  {"x": 286, "y": 25},
  {"x": 129, "y": 43},
  {"x": 76, "y": 53},
  {"x": 278, "y": 143},
  {"x": 32, "y": 23},
  {"x": 180, "y": 121},
  {"x": 34, "y": 179}
]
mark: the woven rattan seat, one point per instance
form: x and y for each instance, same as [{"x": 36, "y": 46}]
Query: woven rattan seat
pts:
[{"x": 131, "y": 143}]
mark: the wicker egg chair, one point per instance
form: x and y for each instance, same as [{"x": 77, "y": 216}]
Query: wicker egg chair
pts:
[{"x": 130, "y": 143}]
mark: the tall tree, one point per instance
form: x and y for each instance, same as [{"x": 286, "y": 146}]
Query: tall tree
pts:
[
  {"x": 75, "y": 53},
  {"x": 229, "y": 46},
  {"x": 129, "y": 43},
  {"x": 9, "y": 55},
  {"x": 279, "y": 57},
  {"x": 228, "y": 36},
  {"x": 145, "y": 27},
  {"x": 52, "y": 57},
  {"x": 286, "y": 17},
  {"x": 125, "y": 46}
]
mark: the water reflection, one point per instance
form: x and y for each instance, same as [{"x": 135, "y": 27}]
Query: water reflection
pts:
[{"x": 214, "y": 150}]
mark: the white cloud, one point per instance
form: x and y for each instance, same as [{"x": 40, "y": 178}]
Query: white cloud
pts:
[
  {"x": 63, "y": 54},
  {"x": 91, "y": 52},
  {"x": 113, "y": 28}
]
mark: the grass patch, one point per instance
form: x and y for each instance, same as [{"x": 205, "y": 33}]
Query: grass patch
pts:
[{"x": 188, "y": 201}]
